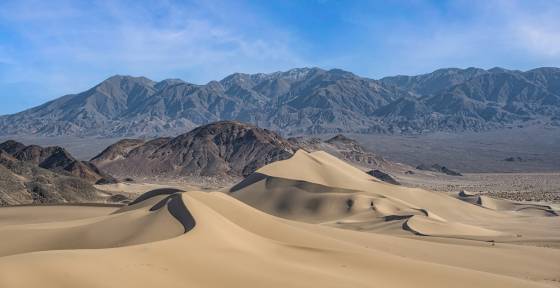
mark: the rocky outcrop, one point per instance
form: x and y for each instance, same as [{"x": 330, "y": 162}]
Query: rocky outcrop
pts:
[
  {"x": 12, "y": 147},
  {"x": 55, "y": 159},
  {"x": 438, "y": 168},
  {"x": 23, "y": 182},
  {"x": 383, "y": 176},
  {"x": 225, "y": 148}
]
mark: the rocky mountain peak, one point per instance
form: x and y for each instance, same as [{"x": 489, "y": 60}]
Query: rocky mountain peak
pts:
[
  {"x": 168, "y": 83},
  {"x": 301, "y": 101},
  {"x": 298, "y": 74}
]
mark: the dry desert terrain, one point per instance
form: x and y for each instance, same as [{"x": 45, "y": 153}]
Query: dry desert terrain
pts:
[{"x": 309, "y": 221}]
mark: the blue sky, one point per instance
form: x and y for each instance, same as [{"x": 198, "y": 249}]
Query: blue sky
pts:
[{"x": 52, "y": 48}]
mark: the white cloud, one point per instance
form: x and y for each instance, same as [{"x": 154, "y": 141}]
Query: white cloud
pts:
[
  {"x": 545, "y": 42},
  {"x": 536, "y": 31}
]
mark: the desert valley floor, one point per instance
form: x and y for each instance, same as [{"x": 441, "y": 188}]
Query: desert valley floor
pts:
[{"x": 309, "y": 221}]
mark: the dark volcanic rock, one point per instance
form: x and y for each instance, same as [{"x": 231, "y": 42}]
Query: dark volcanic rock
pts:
[
  {"x": 12, "y": 147},
  {"x": 33, "y": 174},
  {"x": 221, "y": 148},
  {"x": 438, "y": 168},
  {"x": 339, "y": 138},
  {"x": 383, "y": 176},
  {"x": 24, "y": 183},
  {"x": 448, "y": 171},
  {"x": 56, "y": 159}
]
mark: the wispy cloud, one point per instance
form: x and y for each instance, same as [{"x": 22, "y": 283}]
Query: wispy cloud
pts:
[
  {"x": 537, "y": 32},
  {"x": 544, "y": 42}
]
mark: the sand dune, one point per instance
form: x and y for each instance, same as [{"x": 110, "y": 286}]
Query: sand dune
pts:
[
  {"x": 332, "y": 192},
  {"x": 170, "y": 238},
  {"x": 235, "y": 245},
  {"x": 529, "y": 209},
  {"x": 134, "y": 227},
  {"x": 429, "y": 227}
]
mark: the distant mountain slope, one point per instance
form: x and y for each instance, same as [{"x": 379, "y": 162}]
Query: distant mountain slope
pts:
[
  {"x": 301, "y": 101},
  {"x": 226, "y": 148},
  {"x": 432, "y": 83},
  {"x": 475, "y": 99}
]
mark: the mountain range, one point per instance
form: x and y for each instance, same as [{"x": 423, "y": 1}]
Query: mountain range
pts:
[{"x": 301, "y": 101}]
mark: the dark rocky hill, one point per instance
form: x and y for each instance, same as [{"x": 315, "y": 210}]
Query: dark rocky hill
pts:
[
  {"x": 225, "y": 148},
  {"x": 55, "y": 159},
  {"x": 301, "y": 101},
  {"x": 22, "y": 182}
]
